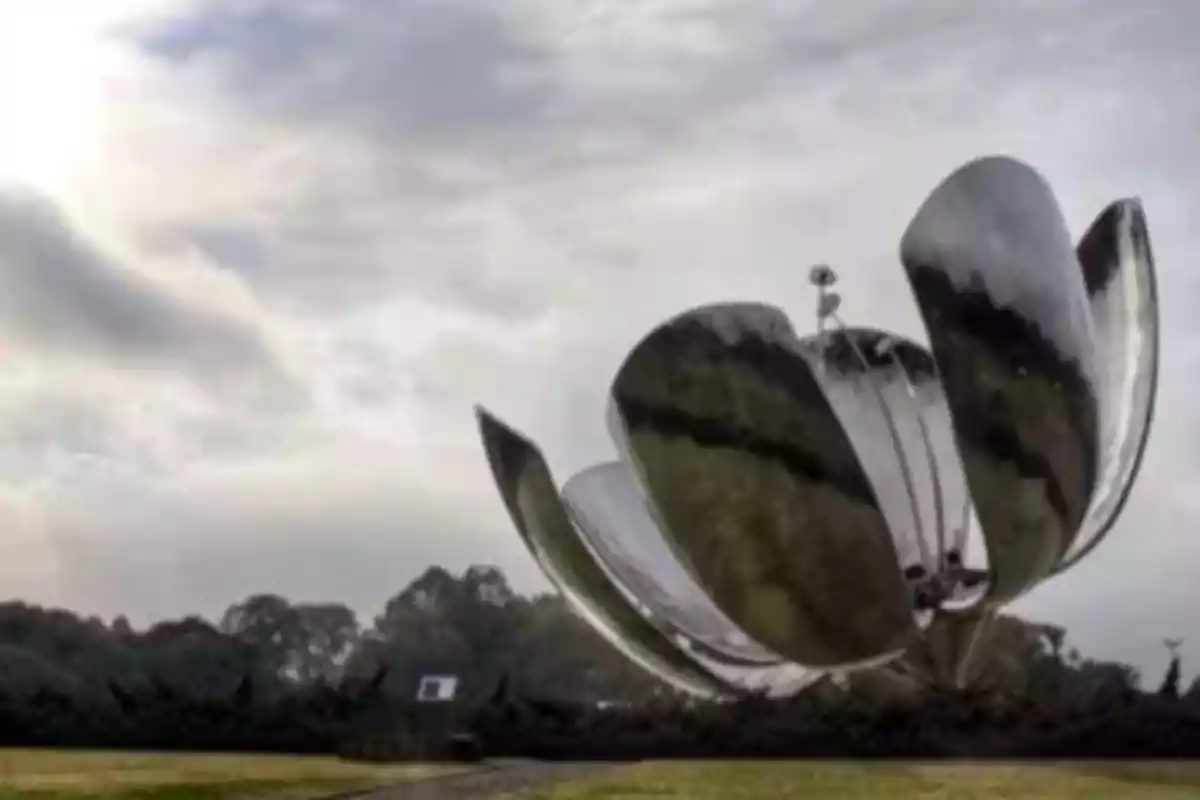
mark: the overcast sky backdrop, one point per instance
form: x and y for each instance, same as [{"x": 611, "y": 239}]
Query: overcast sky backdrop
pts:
[{"x": 259, "y": 258}]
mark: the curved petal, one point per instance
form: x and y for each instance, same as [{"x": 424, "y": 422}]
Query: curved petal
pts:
[
  {"x": 528, "y": 491},
  {"x": 780, "y": 680},
  {"x": 761, "y": 493},
  {"x": 612, "y": 513},
  {"x": 784, "y": 679},
  {"x": 1002, "y": 296},
  {"x": 868, "y": 393},
  {"x": 1118, "y": 269},
  {"x": 886, "y": 393}
]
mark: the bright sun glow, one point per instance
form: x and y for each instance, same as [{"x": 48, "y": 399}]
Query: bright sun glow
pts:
[{"x": 53, "y": 66}]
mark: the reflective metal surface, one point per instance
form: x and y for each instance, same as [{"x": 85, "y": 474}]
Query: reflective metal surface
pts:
[
  {"x": 1002, "y": 295},
  {"x": 1118, "y": 270},
  {"x": 759, "y": 489},
  {"x": 532, "y": 500},
  {"x": 867, "y": 392},
  {"x": 612, "y": 513},
  {"x": 782, "y": 679},
  {"x": 784, "y": 508},
  {"x": 885, "y": 392}
]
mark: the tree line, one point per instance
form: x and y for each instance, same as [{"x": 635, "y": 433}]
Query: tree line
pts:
[{"x": 272, "y": 674}]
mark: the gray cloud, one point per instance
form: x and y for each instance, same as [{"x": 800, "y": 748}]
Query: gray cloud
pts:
[
  {"x": 470, "y": 113},
  {"x": 453, "y": 73},
  {"x": 275, "y": 536},
  {"x": 59, "y": 292},
  {"x": 410, "y": 74},
  {"x": 419, "y": 67}
]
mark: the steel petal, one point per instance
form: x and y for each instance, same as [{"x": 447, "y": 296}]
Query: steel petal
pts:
[
  {"x": 868, "y": 394},
  {"x": 760, "y": 491},
  {"x": 1118, "y": 270},
  {"x": 612, "y": 513},
  {"x": 886, "y": 393},
  {"x": 1002, "y": 296},
  {"x": 527, "y": 488}
]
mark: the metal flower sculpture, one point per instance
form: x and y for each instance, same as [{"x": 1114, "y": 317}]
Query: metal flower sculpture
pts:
[{"x": 783, "y": 507}]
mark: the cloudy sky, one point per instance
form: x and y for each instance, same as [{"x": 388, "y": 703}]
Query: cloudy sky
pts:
[{"x": 258, "y": 258}]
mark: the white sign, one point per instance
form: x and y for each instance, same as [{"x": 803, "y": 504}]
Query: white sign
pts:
[{"x": 437, "y": 688}]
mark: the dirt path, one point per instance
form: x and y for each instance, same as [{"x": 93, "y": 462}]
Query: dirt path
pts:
[{"x": 489, "y": 780}]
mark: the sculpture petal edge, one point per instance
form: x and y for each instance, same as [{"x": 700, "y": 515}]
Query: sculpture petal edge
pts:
[
  {"x": 1118, "y": 267},
  {"x": 531, "y": 498}
]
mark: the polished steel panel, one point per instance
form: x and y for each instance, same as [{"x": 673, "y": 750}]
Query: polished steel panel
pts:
[
  {"x": 1118, "y": 270},
  {"x": 1002, "y": 295},
  {"x": 527, "y": 488},
  {"x": 612, "y": 512},
  {"x": 886, "y": 393},
  {"x": 782, "y": 679},
  {"x": 963, "y": 562},
  {"x": 868, "y": 393},
  {"x": 758, "y": 487}
]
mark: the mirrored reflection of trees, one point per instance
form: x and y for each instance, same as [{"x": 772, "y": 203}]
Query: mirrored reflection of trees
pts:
[{"x": 279, "y": 674}]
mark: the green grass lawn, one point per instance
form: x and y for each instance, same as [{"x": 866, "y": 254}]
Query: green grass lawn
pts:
[
  {"x": 93, "y": 775},
  {"x": 887, "y": 781}
]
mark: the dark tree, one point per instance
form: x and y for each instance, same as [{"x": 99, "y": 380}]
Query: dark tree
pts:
[{"x": 275, "y": 674}]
